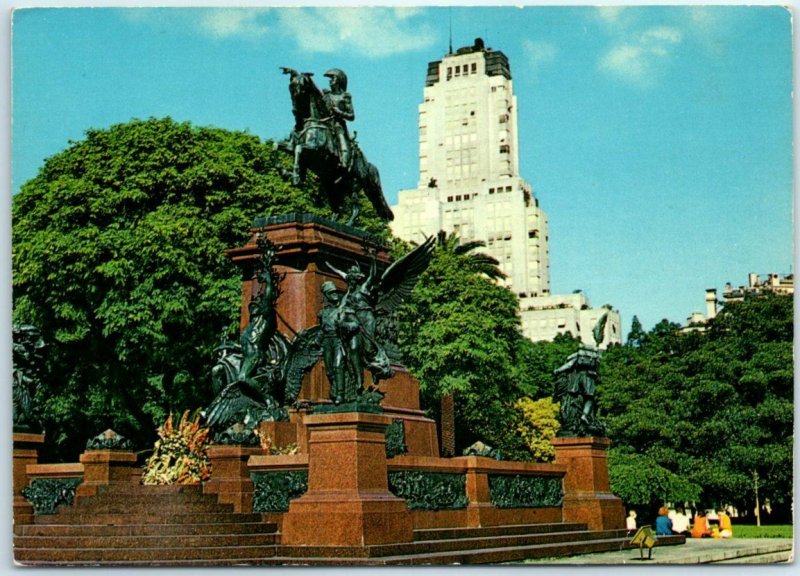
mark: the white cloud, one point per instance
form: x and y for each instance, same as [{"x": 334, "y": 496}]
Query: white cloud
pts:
[
  {"x": 375, "y": 32},
  {"x": 626, "y": 61},
  {"x": 663, "y": 34},
  {"x": 640, "y": 61},
  {"x": 539, "y": 53},
  {"x": 233, "y": 22},
  {"x": 609, "y": 14}
]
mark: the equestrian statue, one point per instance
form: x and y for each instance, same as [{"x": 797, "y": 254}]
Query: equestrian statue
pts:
[{"x": 321, "y": 141}]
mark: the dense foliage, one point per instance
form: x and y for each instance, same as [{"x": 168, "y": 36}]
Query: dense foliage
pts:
[
  {"x": 706, "y": 408},
  {"x": 118, "y": 256},
  {"x": 460, "y": 336}
]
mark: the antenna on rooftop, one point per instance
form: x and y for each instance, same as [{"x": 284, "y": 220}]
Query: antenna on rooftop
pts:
[{"x": 450, "y": 15}]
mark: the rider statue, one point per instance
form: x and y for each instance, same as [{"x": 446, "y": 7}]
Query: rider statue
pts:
[{"x": 340, "y": 105}]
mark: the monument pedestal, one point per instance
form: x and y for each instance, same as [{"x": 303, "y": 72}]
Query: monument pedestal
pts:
[
  {"x": 104, "y": 467},
  {"x": 26, "y": 451},
  {"x": 348, "y": 502},
  {"x": 305, "y": 245},
  {"x": 230, "y": 479},
  {"x": 587, "y": 491}
]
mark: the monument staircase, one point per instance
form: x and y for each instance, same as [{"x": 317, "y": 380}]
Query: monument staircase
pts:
[{"x": 132, "y": 525}]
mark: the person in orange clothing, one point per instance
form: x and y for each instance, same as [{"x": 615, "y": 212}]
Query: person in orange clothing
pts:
[
  {"x": 725, "y": 525},
  {"x": 700, "y": 527}
]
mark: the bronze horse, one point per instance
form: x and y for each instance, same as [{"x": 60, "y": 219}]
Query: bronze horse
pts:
[{"x": 313, "y": 145}]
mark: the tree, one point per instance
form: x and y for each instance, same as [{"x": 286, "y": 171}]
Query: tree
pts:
[
  {"x": 639, "y": 480},
  {"x": 637, "y": 334},
  {"x": 539, "y": 426},
  {"x": 714, "y": 407},
  {"x": 536, "y": 362},
  {"x": 459, "y": 334},
  {"x": 118, "y": 255}
]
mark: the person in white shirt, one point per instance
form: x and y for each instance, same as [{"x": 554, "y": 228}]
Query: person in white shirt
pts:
[
  {"x": 630, "y": 521},
  {"x": 680, "y": 522}
]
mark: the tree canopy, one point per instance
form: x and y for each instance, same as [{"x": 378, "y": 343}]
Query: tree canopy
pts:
[
  {"x": 118, "y": 256},
  {"x": 712, "y": 406},
  {"x": 460, "y": 336}
]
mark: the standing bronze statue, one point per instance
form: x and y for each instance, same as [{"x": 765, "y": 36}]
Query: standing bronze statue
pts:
[
  {"x": 347, "y": 338},
  {"x": 575, "y": 389},
  {"x": 333, "y": 354},
  {"x": 247, "y": 377},
  {"x": 321, "y": 141}
]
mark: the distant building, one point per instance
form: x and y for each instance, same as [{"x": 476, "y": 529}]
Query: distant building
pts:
[
  {"x": 774, "y": 283},
  {"x": 469, "y": 184},
  {"x": 545, "y": 317},
  {"x": 756, "y": 285}
]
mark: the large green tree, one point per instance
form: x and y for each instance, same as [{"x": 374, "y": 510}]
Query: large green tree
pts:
[
  {"x": 118, "y": 255},
  {"x": 460, "y": 336},
  {"x": 712, "y": 406}
]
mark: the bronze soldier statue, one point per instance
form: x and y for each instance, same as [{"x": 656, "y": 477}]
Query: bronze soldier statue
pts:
[{"x": 340, "y": 105}]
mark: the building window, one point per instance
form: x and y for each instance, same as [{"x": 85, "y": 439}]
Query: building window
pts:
[
  {"x": 449, "y": 72},
  {"x": 503, "y": 118},
  {"x": 474, "y": 67},
  {"x": 458, "y": 197},
  {"x": 449, "y": 198},
  {"x": 494, "y": 88},
  {"x": 533, "y": 233},
  {"x": 458, "y": 70},
  {"x": 508, "y": 188},
  {"x": 505, "y": 149},
  {"x": 491, "y": 190}
]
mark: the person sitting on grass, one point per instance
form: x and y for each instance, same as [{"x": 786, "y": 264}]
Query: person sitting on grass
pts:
[
  {"x": 663, "y": 523},
  {"x": 700, "y": 528},
  {"x": 725, "y": 525},
  {"x": 680, "y": 522}
]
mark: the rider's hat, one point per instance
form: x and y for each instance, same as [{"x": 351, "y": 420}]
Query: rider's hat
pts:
[
  {"x": 328, "y": 287},
  {"x": 338, "y": 74}
]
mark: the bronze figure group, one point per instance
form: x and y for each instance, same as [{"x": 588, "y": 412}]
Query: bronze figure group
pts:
[{"x": 258, "y": 378}]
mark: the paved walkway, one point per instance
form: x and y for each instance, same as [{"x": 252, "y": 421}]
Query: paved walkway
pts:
[{"x": 695, "y": 551}]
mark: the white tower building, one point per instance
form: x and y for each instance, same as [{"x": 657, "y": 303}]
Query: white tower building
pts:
[
  {"x": 470, "y": 184},
  {"x": 469, "y": 168}
]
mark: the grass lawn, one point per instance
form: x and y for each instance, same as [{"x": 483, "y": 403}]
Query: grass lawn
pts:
[{"x": 776, "y": 531}]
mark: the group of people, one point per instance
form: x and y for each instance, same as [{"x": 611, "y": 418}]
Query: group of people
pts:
[{"x": 704, "y": 525}]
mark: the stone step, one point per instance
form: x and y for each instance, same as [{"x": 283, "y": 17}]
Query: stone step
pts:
[
  {"x": 144, "y": 529},
  {"x": 145, "y": 506},
  {"x": 156, "y": 499},
  {"x": 155, "y": 541},
  {"x": 460, "y": 544},
  {"x": 165, "y": 555},
  {"x": 766, "y": 552},
  {"x": 153, "y": 517},
  {"x": 477, "y": 556},
  {"x": 772, "y": 558},
  {"x": 453, "y": 533},
  {"x": 120, "y": 488}
]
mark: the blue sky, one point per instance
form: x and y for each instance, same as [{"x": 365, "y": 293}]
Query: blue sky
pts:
[{"x": 657, "y": 139}]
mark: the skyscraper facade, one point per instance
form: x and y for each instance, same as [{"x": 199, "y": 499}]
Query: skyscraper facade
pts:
[{"x": 470, "y": 184}]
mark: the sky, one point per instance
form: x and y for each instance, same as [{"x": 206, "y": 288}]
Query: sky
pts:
[{"x": 658, "y": 140}]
